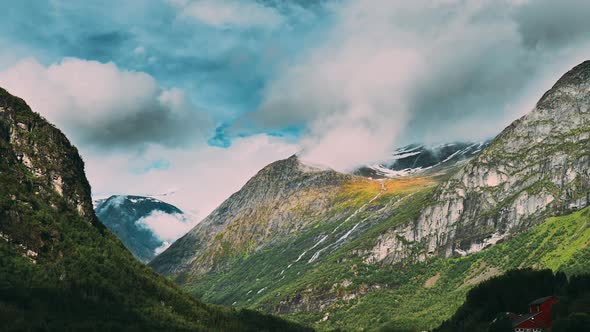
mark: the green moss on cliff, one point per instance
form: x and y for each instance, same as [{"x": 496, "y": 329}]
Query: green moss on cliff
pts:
[{"x": 60, "y": 269}]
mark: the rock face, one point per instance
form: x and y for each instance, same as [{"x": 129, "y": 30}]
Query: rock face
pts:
[
  {"x": 60, "y": 268},
  {"x": 281, "y": 199},
  {"x": 367, "y": 251},
  {"x": 536, "y": 167},
  {"x": 30, "y": 145},
  {"x": 131, "y": 218}
]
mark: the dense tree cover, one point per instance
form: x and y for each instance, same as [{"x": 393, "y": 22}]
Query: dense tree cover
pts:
[
  {"x": 60, "y": 269},
  {"x": 513, "y": 291}
]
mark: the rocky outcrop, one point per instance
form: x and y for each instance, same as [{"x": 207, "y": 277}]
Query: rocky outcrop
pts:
[
  {"x": 36, "y": 155},
  {"x": 536, "y": 167},
  {"x": 45, "y": 151},
  {"x": 60, "y": 268},
  {"x": 283, "y": 198}
]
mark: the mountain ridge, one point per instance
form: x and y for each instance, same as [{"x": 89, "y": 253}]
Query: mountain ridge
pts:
[
  {"x": 60, "y": 268},
  {"x": 267, "y": 191},
  {"x": 420, "y": 159},
  {"x": 381, "y": 239},
  {"x": 133, "y": 219}
]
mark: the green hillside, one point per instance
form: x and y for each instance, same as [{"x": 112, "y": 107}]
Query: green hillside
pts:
[
  {"x": 60, "y": 269},
  {"x": 354, "y": 294}
]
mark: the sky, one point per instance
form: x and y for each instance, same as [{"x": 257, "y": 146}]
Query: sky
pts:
[{"x": 185, "y": 100}]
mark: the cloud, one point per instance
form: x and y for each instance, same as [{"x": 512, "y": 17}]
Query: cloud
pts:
[
  {"x": 230, "y": 13},
  {"x": 392, "y": 72},
  {"x": 196, "y": 180},
  {"x": 167, "y": 227},
  {"x": 548, "y": 23},
  {"x": 98, "y": 104}
]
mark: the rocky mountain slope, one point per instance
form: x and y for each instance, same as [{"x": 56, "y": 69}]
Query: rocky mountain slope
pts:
[
  {"x": 417, "y": 159},
  {"x": 537, "y": 167},
  {"x": 280, "y": 200},
  {"x": 400, "y": 252},
  {"x": 131, "y": 218},
  {"x": 60, "y": 268}
]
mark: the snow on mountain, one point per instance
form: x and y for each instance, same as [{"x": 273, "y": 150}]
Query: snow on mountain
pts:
[
  {"x": 416, "y": 159},
  {"x": 147, "y": 226}
]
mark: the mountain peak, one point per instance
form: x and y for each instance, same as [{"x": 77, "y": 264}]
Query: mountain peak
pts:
[
  {"x": 61, "y": 269},
  {"x": 568, "y": 88},
  {"x": 52, "y": 157},
  {"x": 292, "y": 166},
  {"x": 136, "y": 221},
  {"x": 264, "y": 203}
]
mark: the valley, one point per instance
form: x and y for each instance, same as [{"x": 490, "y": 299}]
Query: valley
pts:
[
  {"x": 400, "y": 252},
  {"x": 295, "y": 166}
]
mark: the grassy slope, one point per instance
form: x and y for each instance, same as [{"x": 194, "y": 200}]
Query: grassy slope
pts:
[
  {"x": 384, "y": 295},
  {"x": 60, "y": 271}
]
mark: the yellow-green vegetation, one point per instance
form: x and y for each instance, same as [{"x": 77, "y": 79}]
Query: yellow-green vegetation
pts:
[
  {"x": 359, "y": 191},
  {"x": 342, "y": 291}
]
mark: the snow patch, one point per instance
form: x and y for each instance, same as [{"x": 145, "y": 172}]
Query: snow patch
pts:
[{"x": 405, "y": 155}]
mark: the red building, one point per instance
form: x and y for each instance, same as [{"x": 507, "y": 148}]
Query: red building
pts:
[{"x": 539, "y": 317}]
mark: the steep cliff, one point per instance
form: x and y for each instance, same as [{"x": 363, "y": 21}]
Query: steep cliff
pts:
[
  {"x": 537, "y": 167},
  {"x": 402, "y": 252},
  {"x": 60, "y": 268},
  {"x": 37, "y": 160}
]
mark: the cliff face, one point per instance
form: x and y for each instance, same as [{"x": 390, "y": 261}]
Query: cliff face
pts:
[
  {"x": 60, "y": 268},
  {"x": 282, "y": 199},
  {"x": 37, "y": 160},
  {"x": 538, "y": 166}
]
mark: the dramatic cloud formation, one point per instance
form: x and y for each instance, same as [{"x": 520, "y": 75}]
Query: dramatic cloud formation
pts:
[
  {"x": 99, "y": 104},
  {"x": 167, "y": 227},
  {"x": 549, "y": 23},
  {"x": 195, "y": 180},
  {"x": 392, "y": 72},
  {"x": 144, "y": 88}
]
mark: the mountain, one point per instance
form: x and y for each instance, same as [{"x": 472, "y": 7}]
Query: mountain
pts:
[
  {"x": 344, "y": 251},
  {"x": 420, "y": 159},
  {"x": 63, "y": 270},
  {"x": 136, "y": 221},
  {"x": 262, "y": 211}
]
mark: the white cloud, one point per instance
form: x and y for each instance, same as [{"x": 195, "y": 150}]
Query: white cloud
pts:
[
  {"x": 391, "y": 71},
  {"x": 230, "y": 13},
  {"x": 167, "y": 227},
  {"x": 87, "y": 98},
  {"x": 199, "y": 179},
  {"x": 102, "y": 105},
  {"x": 165, "y": 245}
]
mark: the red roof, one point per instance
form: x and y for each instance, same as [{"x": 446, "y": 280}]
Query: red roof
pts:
[{"x": 527, "y": 320}]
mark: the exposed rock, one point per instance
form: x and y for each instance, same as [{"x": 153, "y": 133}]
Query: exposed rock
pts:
[
  {"x": 45, "y": 150},
  {"x": 536, "y": 167},
  {"x": 281, "y": 199}
]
